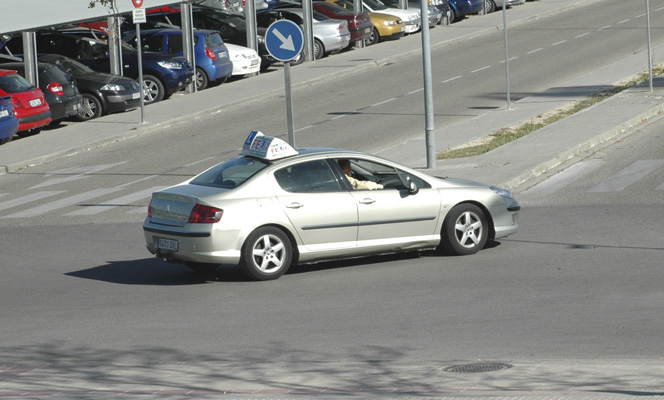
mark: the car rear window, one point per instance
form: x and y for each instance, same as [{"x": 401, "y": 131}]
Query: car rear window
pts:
[
  {"x": 231, "y": 173},
  {"x": 213, "y": 40},
  {"x": 14, "y": 83}
]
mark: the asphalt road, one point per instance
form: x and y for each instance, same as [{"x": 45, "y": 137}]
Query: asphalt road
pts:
[{"x": 86, "y": 308}]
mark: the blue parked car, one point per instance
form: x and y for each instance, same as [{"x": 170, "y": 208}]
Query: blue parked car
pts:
[
  {"x": 8, "y": 120},
  {"x": 461, "y": 8},
  {"x": 213, "y": 64},
  {"x": 163, "y": 74}
]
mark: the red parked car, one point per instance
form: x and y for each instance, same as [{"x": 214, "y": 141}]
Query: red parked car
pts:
[
  {"x": 360, "y": 25},
  {"x": 29, "y": 104}
]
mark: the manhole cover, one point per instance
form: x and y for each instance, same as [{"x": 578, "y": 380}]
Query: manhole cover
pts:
[{"x": 477, "y": 367}]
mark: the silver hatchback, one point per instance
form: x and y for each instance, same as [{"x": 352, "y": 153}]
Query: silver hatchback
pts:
[{"x": 273, "y": 206}]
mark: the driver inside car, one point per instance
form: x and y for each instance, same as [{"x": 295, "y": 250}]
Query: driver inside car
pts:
[{"x": 356, "y": 183}]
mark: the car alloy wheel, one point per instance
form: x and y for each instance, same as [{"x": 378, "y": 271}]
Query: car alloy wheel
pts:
[
  {"x": 153, "y": 90},
  {"x": 90, "y": 108},
  {"x": 201, "y": 79},
  {"x": 266, "y": 254},
  {"x": 465, "y": 230}
]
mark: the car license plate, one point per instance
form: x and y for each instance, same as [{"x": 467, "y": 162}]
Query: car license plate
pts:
[
  {"x": 136, "y": 96},
  {"x": 222, "y": 54},
  {"x": 4, "y": 113},
  {"x": 167, "y": 244},
  {"x": 254, "y": 62},
  {"x": 403, "y": 29},
  {"x": 367, "y": 30},
  {"x": 35, "y": 102}
]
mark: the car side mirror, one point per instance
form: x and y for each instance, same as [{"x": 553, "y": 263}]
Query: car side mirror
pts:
[{"x": 412, "y": 187}]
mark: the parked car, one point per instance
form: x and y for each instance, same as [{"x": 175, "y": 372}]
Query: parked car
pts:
[
  {"x": 163, "y": 74},
  {"x": 434, "y": 13},
  {"x": 28, "y": 101},
  {"x": 102, "y": 93},
  {"x": 386, "y": 27},
  {"x": 411, "y": 18},
  {"x": 214, "y": 219},
  {"x": 245, "y": 60},
  {"x": 462, "y": 8},
  {"x": 493, "y": 5},
  {"x": 8, "y": 120},
  {"x": 360, "y": 25},
  {"x": 330, "y": 35},
  {"x": 210, "y": 54},
  {"x": 59, "y": 88},
  {"x": 231, "y": 26}
]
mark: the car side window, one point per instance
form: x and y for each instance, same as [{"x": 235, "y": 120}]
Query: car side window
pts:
[
  {"x": 307, "y": 177},
  {"x": 174, "y": 44},
  {"x": 153, "y": 43},
  {"x": 385, "y": 175}
]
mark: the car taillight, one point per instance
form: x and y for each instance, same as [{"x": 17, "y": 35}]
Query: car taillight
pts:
[
  {"x": 150, "y": 208},
  {"x": 55, "y": 88},
  {"x": 17, "y": 102},
  {"x": 205, "y": 215},
  {"x": 210, "y": 54}
]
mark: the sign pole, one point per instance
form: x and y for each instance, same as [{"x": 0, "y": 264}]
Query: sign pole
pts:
[
  {"x": 139, "y": 17},
  {"x": 289, "y": 105},
  {"x": 284, "y": 40}
]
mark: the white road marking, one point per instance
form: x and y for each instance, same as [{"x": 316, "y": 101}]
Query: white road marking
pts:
[
  {"x": 627, "y": 176},
  {"x": 52, "y": 206},
  {"x": 28, "y": 198},
  {"x": 120, "y": 201},
  {"x": 564, "y": 178}
]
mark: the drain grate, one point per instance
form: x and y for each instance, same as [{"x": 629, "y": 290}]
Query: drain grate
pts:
[{"x": 477, "y": 367}]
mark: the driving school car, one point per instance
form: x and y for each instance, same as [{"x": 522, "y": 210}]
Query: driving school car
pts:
[{"x": 274, "y": 206}]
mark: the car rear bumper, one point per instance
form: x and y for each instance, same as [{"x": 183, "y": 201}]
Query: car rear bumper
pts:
[{"x": 34, "y": 121}]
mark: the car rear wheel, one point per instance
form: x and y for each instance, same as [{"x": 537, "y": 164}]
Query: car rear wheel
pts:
[
  {"x": 90, "y": 108},
  {"x": 319, "y": 49},
  {"x": 465, "y": 230},
  {"x": 201, "y": 79},
  {"x": 266, "y": 254},
  {"x": 453, "y": 16},
  {"x": 153, "y": 89}
]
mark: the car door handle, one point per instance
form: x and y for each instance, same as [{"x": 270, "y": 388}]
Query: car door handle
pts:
[
  {"x": 295, "y": 205},
  {"x": 367, "y": 201}
]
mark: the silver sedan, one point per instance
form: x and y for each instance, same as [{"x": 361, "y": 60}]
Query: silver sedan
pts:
[{"x": 274, "y": 206}]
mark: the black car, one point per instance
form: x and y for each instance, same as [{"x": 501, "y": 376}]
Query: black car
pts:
[
  {"x": 60, "y": 89},
  {"x": 102, "y": 93}
]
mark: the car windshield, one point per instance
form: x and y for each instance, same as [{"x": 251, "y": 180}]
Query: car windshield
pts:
[
  {"x": 375, "y": 4},
  {"x": 14, "y": 83},
  {"x": 231, "y": 173}
]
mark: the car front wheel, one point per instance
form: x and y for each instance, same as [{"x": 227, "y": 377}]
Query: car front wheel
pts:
[
  {"x": 373, "y": 39},
  {"x": 489, "y": 6},
  {"x": 465, "y": 230},
  {"x": 153, "y": 89},
  {"x": 90, "y": 108},
  {"x": 266, "y": 254}
]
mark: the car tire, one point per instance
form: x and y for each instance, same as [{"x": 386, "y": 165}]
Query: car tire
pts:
[
  {"x": 319, "y": 49},
  {"x": 90, "y": 108},
  {"x": 453, "y": 16},
  {"x": 489, "y": 6},
  {"x": 201, "y": 79},
  {"x": 266, "y": 254},
  {"x": 298, "y": 59},
  {"x": 153, "y": 89},
  {"x": 203, "y": 268},
  {"x": 465, "y": 230},
  {"x": 6, "y": 140},
  {"x": 373, "y": 39}
]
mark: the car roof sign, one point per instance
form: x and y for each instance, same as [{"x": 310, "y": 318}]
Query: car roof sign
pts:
[{"x": 266, "y": 147}]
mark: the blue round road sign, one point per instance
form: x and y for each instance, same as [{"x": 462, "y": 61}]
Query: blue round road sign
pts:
[{"x": 284, "y": 40}]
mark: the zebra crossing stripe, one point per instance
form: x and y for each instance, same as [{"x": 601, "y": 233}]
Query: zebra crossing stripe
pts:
[
  {"x": 28, "y": 198},
  {"x": 68, "y": 201},
  {"x": 627, "y": 176},
  {"x": 120, "y": 201},
  {"x": 564, "y": 178}
]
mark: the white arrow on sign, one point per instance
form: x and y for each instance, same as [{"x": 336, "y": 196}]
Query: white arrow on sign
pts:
[{"x": 286, "y": 43}]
